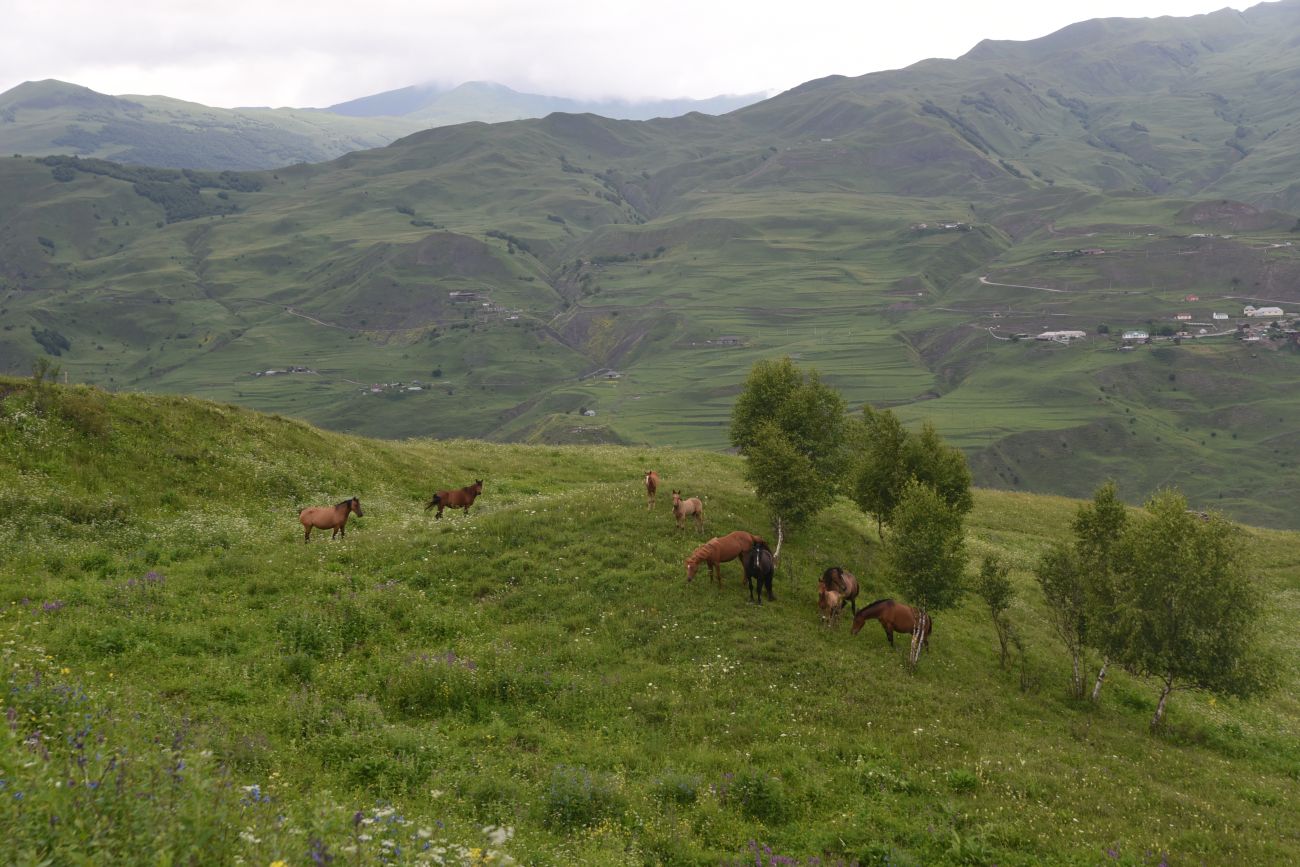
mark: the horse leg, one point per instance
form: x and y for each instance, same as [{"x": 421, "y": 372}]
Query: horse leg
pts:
[
  {"x": 699, "y": 523},
  {"x": 889, "y": 633},
  {"x": 437, "y": 516},
  {"x": 768, "y": 582},
  {"x": 306, "y": 536}
]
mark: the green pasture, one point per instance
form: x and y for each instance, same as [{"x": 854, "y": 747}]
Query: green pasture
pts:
[{"x": 535, "y": 682}]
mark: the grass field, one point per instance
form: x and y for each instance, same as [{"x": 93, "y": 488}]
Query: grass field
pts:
[{"x": 536, "y": 681}]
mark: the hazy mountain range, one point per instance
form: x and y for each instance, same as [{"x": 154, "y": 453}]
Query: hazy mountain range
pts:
[
  {"x": 53, "y": 117},
  {"x": 897, "y": 231}
]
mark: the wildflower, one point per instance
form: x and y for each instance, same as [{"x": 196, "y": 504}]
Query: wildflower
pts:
[
  {"x": 65, "y": 670},
  {"x": 279, "y": 864}
]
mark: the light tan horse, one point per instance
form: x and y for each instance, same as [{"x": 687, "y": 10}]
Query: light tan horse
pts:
[
  {"x": 692, "y": 507},
  {"x": 843, "y": 581},
  {"x": 651, "y": 486},
  {"x": 829, "y": 603},
  {"x": 328, "y": 517},
  {"x": 719, "y": 550}
]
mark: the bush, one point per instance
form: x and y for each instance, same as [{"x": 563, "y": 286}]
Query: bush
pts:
[{"x": 576, "y": 798}]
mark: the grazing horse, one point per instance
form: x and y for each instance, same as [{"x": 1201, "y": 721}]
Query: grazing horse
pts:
[
  {"x": 461, "y": 498},
  {"x": 683, "y": 508},
  {"x": 651, "y": 486},
  {"x": 842, "y": 581},
  {"x": 759, "y": 566},
  {"x": 895, "y": 617},
  {"x": 719, "y": 550},
  {"x": 328, "y": 517},
  {"x": 830, "y": 603}
]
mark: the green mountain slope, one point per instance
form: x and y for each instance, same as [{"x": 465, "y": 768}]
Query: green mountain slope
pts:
[
  {"x": 541, "y": 664},
  {"x": 896, "y": 231}
]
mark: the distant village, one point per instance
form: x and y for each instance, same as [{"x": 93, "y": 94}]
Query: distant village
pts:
[{"x": 1255, "y": 324}]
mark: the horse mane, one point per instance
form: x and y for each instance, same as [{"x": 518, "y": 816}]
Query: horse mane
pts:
[
  {"x": 346, "y": 502},
  {"x": 878, "y": 601},
  {"x": 701, "y": 552}
]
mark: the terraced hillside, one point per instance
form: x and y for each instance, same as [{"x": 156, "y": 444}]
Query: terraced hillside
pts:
[
  {"x": 536, "y": 681},
  {"x": 896, "y": 231}
]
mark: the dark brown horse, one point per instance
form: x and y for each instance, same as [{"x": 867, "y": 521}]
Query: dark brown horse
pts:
[
  {"x": 895, "y": 617},
  {"x": 462, "y": 498},
  {"x": 719, "y": 550},
  {"x": 759, "y": 565},
  {"x": 651, "y": 486},
  {"x": 692, "y": 507},
  {"x": 328, "y": 517},
  {"x": 842, "y": 582}
]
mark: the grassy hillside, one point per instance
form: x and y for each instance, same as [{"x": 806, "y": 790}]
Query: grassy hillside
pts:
[
  {"x": 495, "y": 280},
  {"x": 536, "y": 679}
]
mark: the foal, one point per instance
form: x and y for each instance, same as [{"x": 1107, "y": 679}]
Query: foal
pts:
[
  {"x": 842, "y": 581},
  {"x": 692, "y": 507},
  {"x": 651, "y": 486}
]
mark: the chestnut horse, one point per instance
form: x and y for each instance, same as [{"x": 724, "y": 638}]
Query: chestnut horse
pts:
[
  {"x": 328, "y": 517},
  {"x": 895, "y": 617},
  {"x": 842, "y": 581},
  {"x": 683, "y": 508},
  {"x": 462, "y": 498},
  {"x": 830, "y": 603},
  {"x": 719, "y": 550},
  {"x": 651, "y": 485},
  {"x": 759, "y": 565}
]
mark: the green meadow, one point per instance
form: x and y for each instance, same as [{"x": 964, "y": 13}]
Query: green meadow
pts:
[{"x": 535, "y": 682}]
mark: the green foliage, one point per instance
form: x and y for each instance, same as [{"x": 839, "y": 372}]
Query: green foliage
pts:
[
  {"x": 925, "y": 551},
  {"x": 790, "y": 427},
  {"x": 1189, "y": 611},
  {"x": 51, "y": 340},
  {"x": 576, "y": 798},
  {"x": 993, "y": 585},
  {"x": 888, "y": 457},
  {"x": 1098, "y": 528},
  {"x": 1060, "y": 574}
]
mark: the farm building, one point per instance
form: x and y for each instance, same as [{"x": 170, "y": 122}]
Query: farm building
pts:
[
  {"x": 1262, "y": 311},
  {"x": 1061, "y": 335},
  {"x": 1135, "y": 335},
  {"x": 1220, "y": 316}
]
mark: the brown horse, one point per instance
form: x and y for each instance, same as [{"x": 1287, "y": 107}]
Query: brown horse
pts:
[
  {"x": 683, "y": 508},
  {"x": 462, "y": 498},
  {"x": 830, "y": 603},
  {"x": 842, "y": 581},
  {"x": 328, "y": 517},
  {"x": 895, "y": 617},
  {"x": 719, "y": 550},
  {"x": 651, "y": 486}
]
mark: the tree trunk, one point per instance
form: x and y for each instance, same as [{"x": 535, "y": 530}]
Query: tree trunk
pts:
[
  {"x": 780, "y": 534},
  {"x": 1101, "y": 676},
  {"x": 1076, "y": 683},
  {"x": 1160, "y": 706},
  {"x": 914, "y": 652}
]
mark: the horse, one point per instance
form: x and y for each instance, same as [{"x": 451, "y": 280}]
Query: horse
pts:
[
  {"x": 839, "y": 579},
  {"x": 328, "y": 517},
  {"x": 651, "y": 486},
  {"x": 830, "y": 603},
  {"x": 719, "y": 550},
  {"x": 682, "y": 508},
  {"x": 895, "y": 617},
  {"x": 759, "y": 565},
  {"x": 461, "y": 498}
]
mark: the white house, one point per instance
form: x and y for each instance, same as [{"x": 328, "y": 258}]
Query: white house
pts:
[
  {"x": 1262, "y": 311},
  {"x": 1220, "y": 315},
  {"x": 1061, "y": 335},
  {"x": 1135, "y": 335}
]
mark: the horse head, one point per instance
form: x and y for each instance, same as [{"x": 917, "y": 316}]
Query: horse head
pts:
[
  {"x": 478, "y": 486},
  {"x": 355, "y": 505}
]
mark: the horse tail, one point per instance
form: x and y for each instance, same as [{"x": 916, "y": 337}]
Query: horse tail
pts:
[{"x": 433, "y": 502}]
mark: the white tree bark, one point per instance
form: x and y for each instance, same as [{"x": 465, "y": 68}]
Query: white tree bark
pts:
[
  {"x": 1160, "y": 706},
  {"x": 1101, "y": 676}
]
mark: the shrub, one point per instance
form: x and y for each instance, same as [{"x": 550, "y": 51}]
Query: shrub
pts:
[{"x": 576, "y": 798}]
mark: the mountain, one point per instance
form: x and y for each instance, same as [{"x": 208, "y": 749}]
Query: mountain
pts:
[
  {"x": 898, "y": 231},
  {"x": 53, "y": 117},
  {"x": 491, "y": 103},
  {"x": 205, "y": 687}
]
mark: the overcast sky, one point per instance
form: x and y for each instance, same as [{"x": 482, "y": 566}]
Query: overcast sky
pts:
[{"x": 321, "y": 52}]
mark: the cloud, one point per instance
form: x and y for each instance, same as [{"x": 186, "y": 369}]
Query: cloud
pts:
[{"x": 241, "y": 52}]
